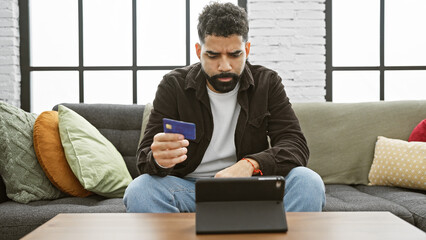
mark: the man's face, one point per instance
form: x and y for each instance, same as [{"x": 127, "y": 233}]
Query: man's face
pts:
[{"x": 223, "y": 60}]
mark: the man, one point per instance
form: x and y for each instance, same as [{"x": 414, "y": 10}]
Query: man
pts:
[{"x": 235, "y": 106}]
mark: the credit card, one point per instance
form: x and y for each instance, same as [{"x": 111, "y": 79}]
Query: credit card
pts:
[{"x": 174, "y": 126}]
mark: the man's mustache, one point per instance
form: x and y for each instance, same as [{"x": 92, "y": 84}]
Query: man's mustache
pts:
[{"x": 225, "y": 75}]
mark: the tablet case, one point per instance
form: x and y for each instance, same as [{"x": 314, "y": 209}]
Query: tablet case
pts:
[{"x": 236, "y": 205}]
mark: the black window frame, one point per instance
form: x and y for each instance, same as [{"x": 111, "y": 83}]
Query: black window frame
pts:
[
  {"x": 381, "y": 68},
  {"x": 26, "y": 69}
]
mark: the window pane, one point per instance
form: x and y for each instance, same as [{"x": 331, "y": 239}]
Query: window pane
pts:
[
  {"x": 196, "y": 8},
  {"x": 53, "y": 33},
  {"x": 107, "y": 32},
  {"x": 356, "y": 32},
  {"x": 356, "y": 86},
  {"x": 108, "y": 87},
  {"x": 405, "y": 34},
  {"x": 405, "y": 85},
  {"x": 147, "y": 84},
  {"x": 51, "y": 88},
  {"x": 161, "y": 32}
]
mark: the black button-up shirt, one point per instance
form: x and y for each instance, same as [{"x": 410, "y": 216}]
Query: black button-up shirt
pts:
[{"x": 265, "y": 111}]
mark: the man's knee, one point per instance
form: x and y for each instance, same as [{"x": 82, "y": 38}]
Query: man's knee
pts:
[
  {"x": 306, "y": 177},
  {"x": 140, "y": 183},
  {"x": 307, "y": 187},
  {"x": 138, "y": 193}
]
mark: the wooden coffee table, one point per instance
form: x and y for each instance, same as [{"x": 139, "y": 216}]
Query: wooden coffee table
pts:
[{"x": 323, "y": 225}]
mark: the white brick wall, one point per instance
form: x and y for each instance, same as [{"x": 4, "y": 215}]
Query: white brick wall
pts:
[
  {"x": 10, "y": 76},
  {"x": 289, "y": 37}
]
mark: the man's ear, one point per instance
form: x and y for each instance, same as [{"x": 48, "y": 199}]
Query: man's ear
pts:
[
  {"x": 247, "y": 49},
  {"x": 198, "y": 50}
]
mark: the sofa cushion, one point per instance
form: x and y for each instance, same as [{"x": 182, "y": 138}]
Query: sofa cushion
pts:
[
  {"x": 51, "y": 155},
  {"x": 419, "y": 132},
  {"x": 399, "y": 163},
  {"x": 24, "y": 179},
  {"x": 96, "y": 163},
  {"x": 341, "y": 136},
  {"x": 353, "y": 198},
  {"x": 120, "y": 124},
  {"x": 412, "y": 200},
  {"x": 20, "y": 219}
]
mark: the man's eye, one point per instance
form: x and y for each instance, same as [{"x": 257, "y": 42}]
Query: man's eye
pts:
[
  {"x": 211, "y": 56},
  {"x": 236, "y": 54}
]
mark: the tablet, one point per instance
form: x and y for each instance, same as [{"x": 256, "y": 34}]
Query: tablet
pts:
[{"x": 236, "y": 205}]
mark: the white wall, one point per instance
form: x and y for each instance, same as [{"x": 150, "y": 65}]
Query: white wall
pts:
[
  {"x": 10, "y": 76},
  {"x": 286, "y": 35},
  {"x": 289, "y": 37}
]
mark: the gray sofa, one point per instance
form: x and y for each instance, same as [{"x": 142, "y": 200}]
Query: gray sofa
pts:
[{"x": 341, "y": 138}]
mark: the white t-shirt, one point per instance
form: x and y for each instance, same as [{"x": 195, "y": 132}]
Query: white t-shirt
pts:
[{"x": 221, "y": 152}]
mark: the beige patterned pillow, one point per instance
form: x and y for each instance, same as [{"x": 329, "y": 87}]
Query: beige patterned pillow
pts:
[{"x": 399, "y": 163}]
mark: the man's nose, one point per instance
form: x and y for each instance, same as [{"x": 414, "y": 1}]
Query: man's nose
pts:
[{"x": 224, "y": 65}]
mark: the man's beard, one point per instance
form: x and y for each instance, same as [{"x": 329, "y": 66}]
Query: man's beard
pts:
[{"x": 222, "y": 87}]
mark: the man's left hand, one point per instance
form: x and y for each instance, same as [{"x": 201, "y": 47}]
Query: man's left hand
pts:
[{"x": 240, "y": 169}]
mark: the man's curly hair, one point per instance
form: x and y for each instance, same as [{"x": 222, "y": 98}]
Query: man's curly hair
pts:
[{"x": 223, "y": 20}]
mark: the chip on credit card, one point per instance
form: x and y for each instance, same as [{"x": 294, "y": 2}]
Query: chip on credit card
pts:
[{"x": 174, "y": 126}]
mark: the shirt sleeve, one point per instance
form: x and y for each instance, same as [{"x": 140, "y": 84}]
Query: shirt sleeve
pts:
[
  {"x": 163, "y": 108},
  {"x": 289, "y": 148}
]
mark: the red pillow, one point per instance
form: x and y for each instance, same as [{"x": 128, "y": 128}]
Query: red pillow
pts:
[{"x": 419, "y": 133}]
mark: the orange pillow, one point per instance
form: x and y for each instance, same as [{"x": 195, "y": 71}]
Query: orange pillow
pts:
[{"x": 51, "y": 156}]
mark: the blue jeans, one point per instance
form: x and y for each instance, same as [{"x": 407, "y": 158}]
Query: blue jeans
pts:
[{"x": 304, "y": 192}]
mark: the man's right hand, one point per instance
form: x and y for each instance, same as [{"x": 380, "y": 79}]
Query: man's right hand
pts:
[{"x": 169, "y": 149}]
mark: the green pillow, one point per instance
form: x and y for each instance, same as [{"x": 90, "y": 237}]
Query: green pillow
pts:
[
  {"x": 23, "y": 176},
  {"x": 96, "y": 163}
]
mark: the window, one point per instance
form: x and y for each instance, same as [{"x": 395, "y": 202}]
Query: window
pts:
[
  {"x": 103, "y": 51},
  {"x": 375, "y": 50}
]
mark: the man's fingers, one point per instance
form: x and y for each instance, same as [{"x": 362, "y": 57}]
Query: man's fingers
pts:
[
  {"x": 169, "y": 149},
  {"x": 168, "y": 163},
  {"x": 165, "y": 141},
  {"x": 167, "y": 137},
  {"x": 163, "y": 146},
  {"x": 179, "y": 159},
  {"x": 170, "y": 154}
]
